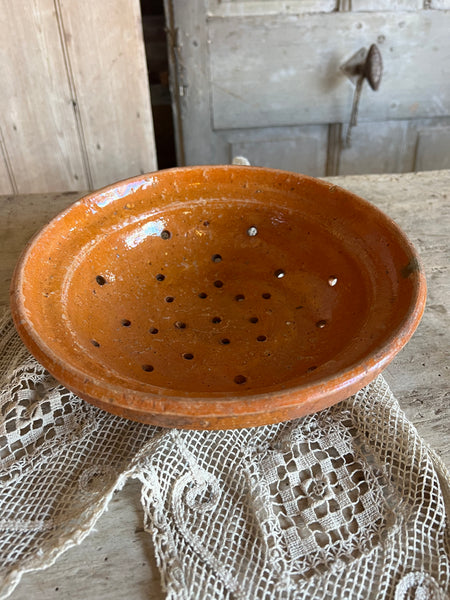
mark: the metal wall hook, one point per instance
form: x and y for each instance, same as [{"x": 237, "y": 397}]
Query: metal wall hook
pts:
[{"x": 364, "y": 64}]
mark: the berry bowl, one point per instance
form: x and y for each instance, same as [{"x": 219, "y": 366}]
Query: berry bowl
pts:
[{"x": 217, "y": 297}]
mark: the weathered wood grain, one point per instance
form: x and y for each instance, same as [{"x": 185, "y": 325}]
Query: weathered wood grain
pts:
[
  {"x": 20, "y": 218},
  {"x": 298, "y": 149},
  {"x": 254, "y": 7},
  {"x": 389, "y": 5},
  {"x": 244, "y": 65},
  {"x": 440, "y": 4},
  {"x": 386, "y": 147},
  {"x": 7, "y": 184},
  {"x": 419, "y": 377},
  {"x": 108, "y": 73},
  {"x": 433, "y": 148},
  {"x": 36, "y": 105},
  {"x": 285, "y": 70},
  {"x": 189, "y": 82},
  {"x": 397, "y": 147},
  {"x": 75, "y": 104}
]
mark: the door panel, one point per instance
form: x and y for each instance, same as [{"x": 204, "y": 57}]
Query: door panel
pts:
[
  {"x": 276, "y": 71},
  {"x": 388, "y": 147},
  {"x": 242, "y": 8},
  {"x": 301, "y": 149},
  {"x": 379, "y": 148},
  {"x": 433, "y": 148}
]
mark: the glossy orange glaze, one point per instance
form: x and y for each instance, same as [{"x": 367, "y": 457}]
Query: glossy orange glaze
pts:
[{"x": 217, "y": 297}]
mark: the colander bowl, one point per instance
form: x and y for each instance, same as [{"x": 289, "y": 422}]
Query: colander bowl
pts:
[{"x": 217, "y": 297}]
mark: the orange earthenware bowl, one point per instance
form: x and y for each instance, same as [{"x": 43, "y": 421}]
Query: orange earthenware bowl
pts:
[{"x": 217, "y": 297}]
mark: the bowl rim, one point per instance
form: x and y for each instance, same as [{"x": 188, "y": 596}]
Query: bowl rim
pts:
[{"x": 234, "y": 410}]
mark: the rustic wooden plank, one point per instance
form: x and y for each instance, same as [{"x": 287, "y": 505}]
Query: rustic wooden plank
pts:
[
  {"x": 241, "y": 8},
  {"x": 36, "y": 111},
  {"x": 334, "y": 148},
  {"x": 285, "y": 70},
  {"x": 7, "y": 183},
  {"x": 433, "y": 149},
  {"x": 389, "y": 5},
  {"x": 397, "y": 147},
  {"x": 189, "y": 83},
  {"x": 439, "y": 4},
  {"x": 108, "y": 71},
  {"x": 299, "y": 149},
  {"x": 376, "y": 147},
  {"x": 20, "y": 218},
  {"x": 386, "y": 147}
]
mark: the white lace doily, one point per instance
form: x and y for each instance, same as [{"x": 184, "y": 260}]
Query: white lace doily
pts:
[{"x": 347, "y": 503}]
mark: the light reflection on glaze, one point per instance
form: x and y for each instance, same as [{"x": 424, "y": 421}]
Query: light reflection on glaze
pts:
[
  {"x": 148, "y": 182},
  {"x": 279, "y": 219},
  {"x": 123, "y": 191},
  {"x": 109, "y": 275},
  {"x": 139, "y": 235}
]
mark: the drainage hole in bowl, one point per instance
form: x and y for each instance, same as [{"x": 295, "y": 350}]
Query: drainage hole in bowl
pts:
[
  {"x": 253, "y": 319},
  {"x": 169, "y": 298},
  {"x": 279, "y": 273},
  {"x": 180, "y": 325},
  {"x": 266, "y": 295},
  {"x": 261, "y": 338},
  {"x": 165, "y": 234},
  {"x": 153, "y": 330},
  {"x": 188, "y": 356},
  {"x": 240, "y": 379},
  {"x": 218, "y": 283},
  {"x": 95, "y": 343},
  {"x": 239, "y": 297},
  {"x": 203, "y": 295},
  {"x": 100, "y": 280},
  {"x": 321, "y": 324},
  {"x": 216, "y": 320},
  {"x": 252, "y": 231},
  {"x": 216, "y": 258},
  {"x": 225, "y": 341},
  {"x": 311, "y": 369},
  {"x": 160, "y": 277},
  {"x": 332, "y": 281},
  {"x": 125, "y": 322},
  {"x": 148, "y": 368}
]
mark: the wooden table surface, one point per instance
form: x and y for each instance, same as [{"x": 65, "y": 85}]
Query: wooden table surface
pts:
[{"x": 419, "y": 377}]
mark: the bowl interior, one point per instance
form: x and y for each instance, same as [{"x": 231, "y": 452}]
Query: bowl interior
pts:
[
  {"x": 209, "y": 298},
  {"x": 214, "y": 282}
]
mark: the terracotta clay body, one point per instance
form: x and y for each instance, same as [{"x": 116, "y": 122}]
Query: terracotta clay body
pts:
[{"x": 217, "y": 297}]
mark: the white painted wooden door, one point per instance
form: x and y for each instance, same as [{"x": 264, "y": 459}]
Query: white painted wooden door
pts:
[
  {"x": 75, "y": 107},
  {"x": 263, "y": 78}
]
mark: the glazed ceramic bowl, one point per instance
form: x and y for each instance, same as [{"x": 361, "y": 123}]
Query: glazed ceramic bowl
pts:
[{"x": 217, "y": 297}]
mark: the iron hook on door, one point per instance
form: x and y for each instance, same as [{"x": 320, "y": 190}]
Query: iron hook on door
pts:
[{"x": 364, "y": 64}]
